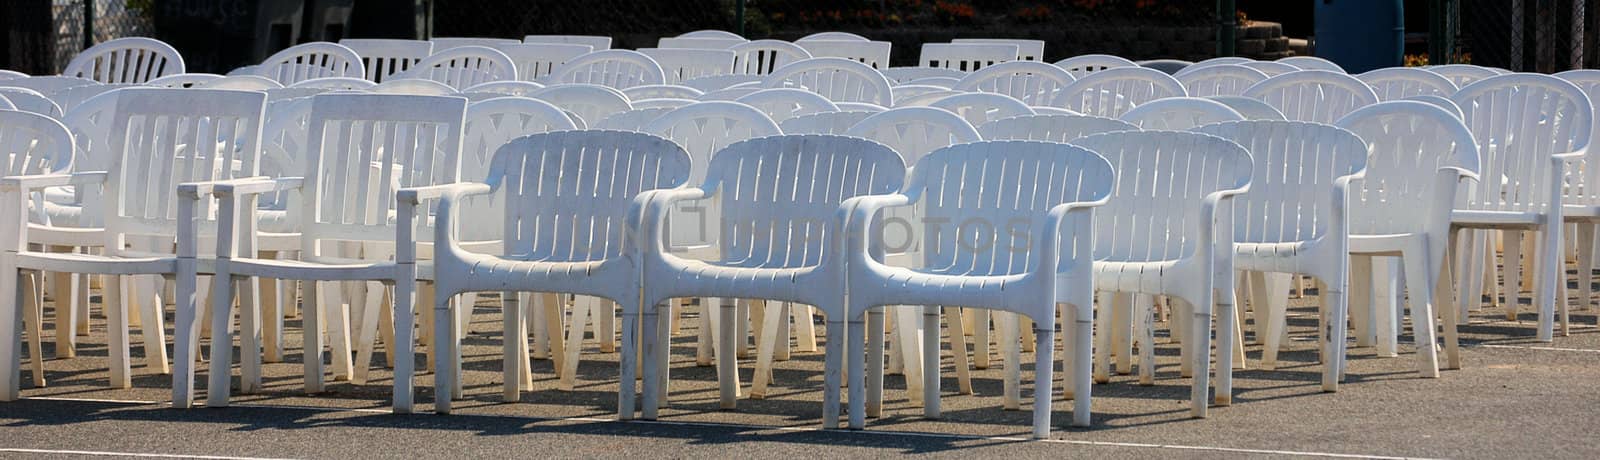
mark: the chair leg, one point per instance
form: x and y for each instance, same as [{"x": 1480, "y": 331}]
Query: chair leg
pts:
[
  {"x": 1044, "y": 361},
  {"x": 785, "y": 333},
  {"x": 706, "y": 331},
  {"x": 10, "y": 318},
  {"x": 741, "y": 333},
  {"x": 1122, "y": 327},
  {"x": 1145, "y": 334},
  {"x": 367, "y": 335},
  {"x": 909, "y": 331},
  {"x": 405, "y": 301},
  {"x": 1448, "y": 314},
  {"x": 805, "y": 331},
  {"x": 1102, "y": 340},
  {"x": 574, "y": 345},
  {"x": 116, "y": 307},
  {"x": 1469, "y": 272},
  {"x": 1386, "y": 305},
  {"x": 536, "y": 318},
  {"x": 311, "y": 319},
  {"x": 34, "y": 320},
  {"x": 448, "y": 357},
  {"x": 833, "y": 367},
  {"x": 1012, "y": 360},
  {"x": 855, "y": 340},
  {"x": 1362, "y": 285},
  {"x": 1227, "y": 335},
  {"x": 220, "y": 380},
  {"x": 186, "y": 335},
  {"x": 249, "y": 336},
  {"x": 66, "y": 307},
  {"x": 153, "y": 329},
  {"x": 981, "y": 323},
  {"x": 958, "y": 348},
  {"x": 765, "y": 348},
  {"x": 1199, "y": 342},
  {"x": 1511, "y": 273},
  {"x": 727, "y": 355},
  {"x": 874, "y": 363},
  {"x": 627, "y": 365},
  {"x": 1081, "y": 338},
  {"x": 1275, "y": 308},
  {"x": 606, "y": 318},
  {"x": 272, "y": 321},
  {"x": 337, "y": 324},
  {"x": 930, "y": 362},
  {"x": 1420, "y": 290},
  {"x": 1333, "y": 334},
  {"x": 1550, "y": 285},
  {"x": 514, "y": 344}
]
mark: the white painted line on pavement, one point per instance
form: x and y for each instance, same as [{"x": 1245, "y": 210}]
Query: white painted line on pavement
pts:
[
  {"x": 96, "y": 453},
  {"x": 789, "y": 429},
  {"x": 1521, "y": 347}
]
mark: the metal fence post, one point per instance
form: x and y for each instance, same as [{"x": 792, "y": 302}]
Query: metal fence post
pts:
[
  {"x": 738, "y": 16},
  {"x": 1227, "y": 27},
  {"x": 88, "y": 23},
  {"x": 1441, "y": 32}
]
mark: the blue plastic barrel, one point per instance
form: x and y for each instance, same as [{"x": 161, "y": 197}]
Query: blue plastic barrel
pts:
[{"x": 1361, "y": 35}]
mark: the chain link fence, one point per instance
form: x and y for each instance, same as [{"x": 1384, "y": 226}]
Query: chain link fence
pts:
[
  {"x": 43, "y": 35},
  {"x": 1519, "y": 35}
]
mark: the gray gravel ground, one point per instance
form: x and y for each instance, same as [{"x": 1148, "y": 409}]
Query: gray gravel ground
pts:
[{"x": 1515, "y": 398}]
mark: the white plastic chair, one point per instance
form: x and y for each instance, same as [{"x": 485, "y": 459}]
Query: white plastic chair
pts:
[
  {"x": 1313, "y": 95},
  {"x": 35, "y": 145},
  {"x": 1034, "y": 83},
  {"x": 776, "y": 246},
  {"x": 1053, "y": 128},
  {"x": 966, "y": 57},
  {"x": 728, "y": 94},
  {"x": 70, "y": 98},
  {"x": 1219, "y": 80},
  {"x": 633, "y": 120},
  {"x": 620, "y": 69},
  {"x": 415, "y": 87},
  {"x": 784, "y": 103},
  {"x": 832, "y": 35},
  {"x": 335, "y": 84},
  {"x": 182, "y": 80},
  {"x": 11, "y": 75},
  {"x": 838, "y": 79},
  {"x": 1113, "y": 92},
  {"x": 1217, "y": 61},
  {"x": 343, "y": 144},
  {"x": 1294, "y": 220},
  {"x": 1027, "y": 50},
  {"x": 1463, "y": 74},
  {"x": 536, "y": 60},
  {"x": 860, "y": 106},
  {"x": 921, "y": 95},
  {"x": 571, "y": 202},
  {"x": 699, "y": 43},
  {"x": 1311, "y": 63},
  {"x": 312, "y": 60},
  {"x": 711, "y": 83},
  {"x": 1180, "y": 113},
  {"x": 597, "y": 43},
  {"x": 441, "y": 44},
  {"x": 1271, "y": 68},
  {"x": 914, "y": 131},
  {"x": 1045, "y": 186},
  {"x": 679, "y": 64},
  {"x": 382, "y": 57},
  {"x": 242, "y": 82},
  {"x": 49, "y": 84},
  {"x": 761, "y": 57},
  {"x": 126, "y": 60},
  {"x": 588, "y": 102},
  {"x": 1252, "y": 109},
  {"x": 1417, "y": 154},
  {"x": 464, "y": 66},
  {"x": 1170, "y": 66},
  {"x": 639, "y": 93},
  {"x": 1402, "y": 82},
  {"x": 1083, "y": 65},
  {"x": 980, "y": 108},
  {"x": 1528, "y": 153},
  {"x": 824, "y": 122},
  {"x": 1160, "y": 237},
  {"x": 139, "y": 181},
  {"x": 872, "y": 53},
  {"x": 667, "y": 102},
  {"x": 711, "y": 33},
  {"x": 947, "y": 82},
  {"x": 1581, "y": 198},
  {"x": 28, "y": 100},
  {"x": 905, "y": 75}
]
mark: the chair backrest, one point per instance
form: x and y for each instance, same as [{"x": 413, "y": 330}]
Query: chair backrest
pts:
[
  {"x": 361, "y": 143},
  {"x": 824, "y": 122},
  {"x": 415, "y": 87},
  {"x": 591, "y": 103},
  {"x": 1150, "y": 216},
  {"x": 382, "y": 57},
  {"x": 1519, "y": 122},
  {"x": 1217, "y": 61},
  {"x": 700, "y": 43},
  {"x": 777, "y": 195},
  {"x": 618, "y": 69},
  {"x": 34, "y": 144},
  {"x": 966, "y": 57},
  {"x": 915, "y": 131},
  {"x": 784, "y": 103},
  {"x": 11, "y": 75},
  {"x": 1311, "y": 63},
  {"x": 5, "y": 104},
  {"x": 860, "y": 106},
  {"x": 639, "y": 93},
  {"x": 1441, "y": 102},
  {"x": 242, "y": 82},
  {"x": 1252, "y": 109},
  {"x": 71, "y": 97},
  {"x": 1219, "y": 80},
  {"x": 1271, "y": 68},
  {"x": 980, "y": 108},
  {"x": 1180, "y": 113},
  {"x": 1113, "y": 92},
  {"x": 1034, "y": 83},
  {"x": 595, "y": 42},
  {"x": 838, "y": 79},
  {"x": 921, "y": 95},
  {"x": 312, "y": 60},
  {"x": 536, "y": 60},
  {"x": 1463, "y": 74},
  {"x": 905, "y": 75},
  {"x": 1408, "y": 143},
  {"x": 711, "y": 33},
  {"x": 28, "y": 100},
  {"x": 1083, "y": 65},
  {"x": 162, "y": 137},
  {"x": 126, "y": 60},
  {"x": 1313, "y": 95},
  {"x": 1395, "y": 83},
  {"x": 567, "y": 194},
  {"x": 90, "y": 123},
  {"x": 947, "y": 82},
  {"x": 182, "y": 80},
  {"x": 703, "y": 128},
  {"x": 873, "y": 54},
  {"x": 711, "y": 83},
  {"x": 464, "y": 66},
  {"x": 663, "y": 102},
  {"x": 832, "y": 35},
  {"x": 1027, "y": 50},
  {"x": 49, "y": 84},
  {"x": 1295, "y": 187},
  {"x": 1170, "y": 66},
  {"x": 761, "y": 57},
  {"x": 633, "y": 120},
  {"x": 728, "y": 94},
  {"x": 1053, "y": 128},
  {"x": 491, "y": 124},
  {"x": 509, "y": 88},
  {"x": 336, "y": 84},
  {"x": 977, "y": 202},
  {"x": 446, "y": 43},
  {"x": 679, "y": 64}
]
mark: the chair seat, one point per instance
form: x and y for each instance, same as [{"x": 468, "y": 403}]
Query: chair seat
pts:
[
  {"x": 694, "y": 278},
  {"x": 1496, "y": 218},
  {"x": 319, "y": 271},
  {"x": 909, "y": 286},
  {"x": 1144, "y": 277},
  {"x": 1580, "y": 212},
  {"x": 105, "y": 265},
  {"x": 1384, "y": 244},
  {"x": 496, "y": 273}
]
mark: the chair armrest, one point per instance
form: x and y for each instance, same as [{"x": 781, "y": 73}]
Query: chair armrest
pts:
[
  {"x": 444, "y": 225},
  {"x": 652, "y": 215},
  {"x": 456, "y": 191},
  {"x": 854, "y": 218},
  {"x": 39, "y": 181}
]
